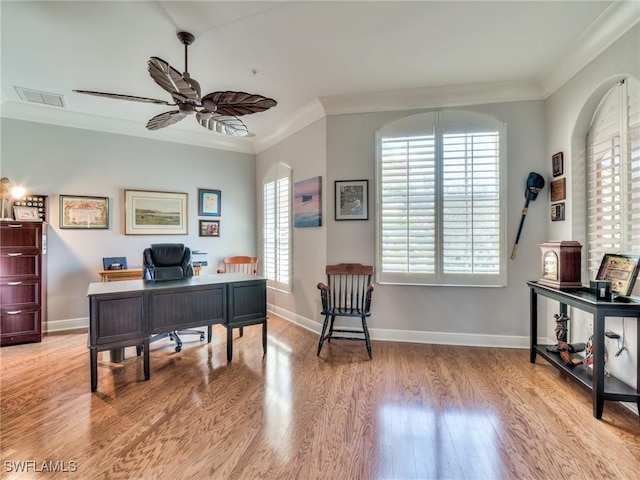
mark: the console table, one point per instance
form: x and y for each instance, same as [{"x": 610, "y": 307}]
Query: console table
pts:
[
  {"x": 127, "y": 313},
  {"x": 602, "y": 388}
]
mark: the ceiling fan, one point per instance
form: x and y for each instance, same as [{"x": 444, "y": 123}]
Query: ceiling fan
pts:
[{"x": 217, "y": 111}]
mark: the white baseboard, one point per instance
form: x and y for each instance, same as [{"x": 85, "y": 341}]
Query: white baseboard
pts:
[
  {"x": 387, "y": 335},
  {"x": 412, "y": 336},
  {"x": 69, "y": 324}
]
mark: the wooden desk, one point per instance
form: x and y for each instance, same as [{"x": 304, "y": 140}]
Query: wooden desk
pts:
[
  {"x": 602, "y": 388},
  {"x": 118, "y": 275},
  {"x": 127, "y": 313}
]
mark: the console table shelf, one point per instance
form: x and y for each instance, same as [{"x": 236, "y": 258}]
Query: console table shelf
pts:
[
  {"x": 593, "y": 379},
  {"x": 614, "y": 389}
]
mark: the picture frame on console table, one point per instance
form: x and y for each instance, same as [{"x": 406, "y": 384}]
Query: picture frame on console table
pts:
[
  {"x": 149, "y": 212},
  {"x": 621, "y": 271},
  {"x": 84, "y": 213}
]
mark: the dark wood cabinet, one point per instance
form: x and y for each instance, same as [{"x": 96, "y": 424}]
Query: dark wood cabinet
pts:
[{"x": 23, "y": 281}]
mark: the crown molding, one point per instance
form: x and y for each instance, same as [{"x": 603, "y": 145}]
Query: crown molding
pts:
[
  {"x": 65, "y": 118},
  {"x": 614, "y": 22},
  {"x": 432, "y": 97},
  {"x": 308, "y": 114}
]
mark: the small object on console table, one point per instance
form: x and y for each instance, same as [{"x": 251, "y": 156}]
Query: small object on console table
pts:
[{"x": 561, "y": 264}]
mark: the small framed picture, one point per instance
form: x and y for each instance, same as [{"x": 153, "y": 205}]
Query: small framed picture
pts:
[
  {"x": 557, "y": 212},
  {"x": 209, "y": 202},
  {"x": 209, "y": 228},
  {"x": 29, "y": 214},
  {"x": 84, "y": 212},
  {"x": 352, "y": 199},
  {"x": 557, "y": 164},
  {"x": 559, "y": 190}
]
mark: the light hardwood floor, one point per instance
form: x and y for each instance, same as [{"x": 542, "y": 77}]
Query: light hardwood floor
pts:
[{"x": 414, "y": 411}]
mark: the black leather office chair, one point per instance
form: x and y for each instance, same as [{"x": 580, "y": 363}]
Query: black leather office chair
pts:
[{"x": 163, "y": 262}]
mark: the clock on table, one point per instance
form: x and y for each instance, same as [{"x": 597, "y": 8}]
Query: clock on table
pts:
[{"x": 561, "y": 264}]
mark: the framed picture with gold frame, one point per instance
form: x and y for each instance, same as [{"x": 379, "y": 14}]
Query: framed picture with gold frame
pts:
[{"x": 82, "y": 212}]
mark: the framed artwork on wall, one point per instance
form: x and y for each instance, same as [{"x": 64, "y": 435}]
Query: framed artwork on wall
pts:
[
  {"x": 557, "y": 212},
  {"x": 557, "y": 165},
  {"x": 209, "y": 228},
  {"x": 155, "y": 213},
  {"x": 307, "y": 203},
  {"x": 559, "y": 190},
  {"x": 81, "y": 212},
  {"x": 209, "y": 202},
  {"x": 352, "y": 199}
]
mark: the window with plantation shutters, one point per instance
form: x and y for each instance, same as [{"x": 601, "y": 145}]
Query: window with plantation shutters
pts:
[
  {"x": 277, "y": 227},
  {"x": 613, "y": 181},
  {"x": 441, "y": 203}
]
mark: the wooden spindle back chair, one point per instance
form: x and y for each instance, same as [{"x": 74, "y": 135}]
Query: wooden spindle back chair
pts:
[
  {"x": 347, "y": 293},
  {"x": 240, "y": 264}
]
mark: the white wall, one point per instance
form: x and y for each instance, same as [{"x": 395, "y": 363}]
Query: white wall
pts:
[
  {"x": 489, "y": 316},
  {"x": 568, "y": 113},
  {"x": 51, "y": 160},
  {"x": 305, "y": 153}
]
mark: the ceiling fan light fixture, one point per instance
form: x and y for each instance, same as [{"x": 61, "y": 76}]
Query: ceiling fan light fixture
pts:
[{"x": 219, "y": 109}]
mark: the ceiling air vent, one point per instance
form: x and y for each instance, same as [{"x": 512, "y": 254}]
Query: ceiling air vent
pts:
[{"x": 45, "y": 98}]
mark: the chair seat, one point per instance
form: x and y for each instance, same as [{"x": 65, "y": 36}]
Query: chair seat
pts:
[{"x": 345, "y": 312}]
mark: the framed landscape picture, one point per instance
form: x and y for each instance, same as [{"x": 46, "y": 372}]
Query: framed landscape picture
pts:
[
  {"x": 81, "y": 212},
  {"x": 155, "y": 213}
]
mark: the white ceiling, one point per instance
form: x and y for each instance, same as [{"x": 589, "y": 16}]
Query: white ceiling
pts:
[{"x": 314, "y": 58}]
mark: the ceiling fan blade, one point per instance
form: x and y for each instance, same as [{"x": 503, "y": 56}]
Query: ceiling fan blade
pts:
[
  {"x": 170, "y": 79},
  {"x": 165, "y": 119},
  {"x": 236, "y": 103},
  {"x": 118, "y": 96},
  {"x": 227, "y": 125}
]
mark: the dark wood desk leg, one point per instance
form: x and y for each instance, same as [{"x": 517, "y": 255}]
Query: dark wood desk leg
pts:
[
  {"x": 264, "y": 336},
  {"x": 93, "y": 360},
  {"x": 229, "y": 343},
  {"x": 209, "y": 333},
  {"x": 598, "y": 364},
  {"x": 533, "y": 319},
  {"x": 147, "y": 359}
]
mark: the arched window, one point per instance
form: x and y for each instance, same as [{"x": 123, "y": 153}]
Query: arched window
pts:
[
  {"x": 276, "y": 228},
  {"x": 613, "y": 175},
  {"x": 441, "y": 200}
]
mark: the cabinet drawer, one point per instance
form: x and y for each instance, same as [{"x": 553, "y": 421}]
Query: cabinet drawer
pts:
[
  {"x": 19, "y": 321},
  {"x": 15, "y": 263},
  {"x": 19, "y": 291},
  {"x": 21, "y": 234}
]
